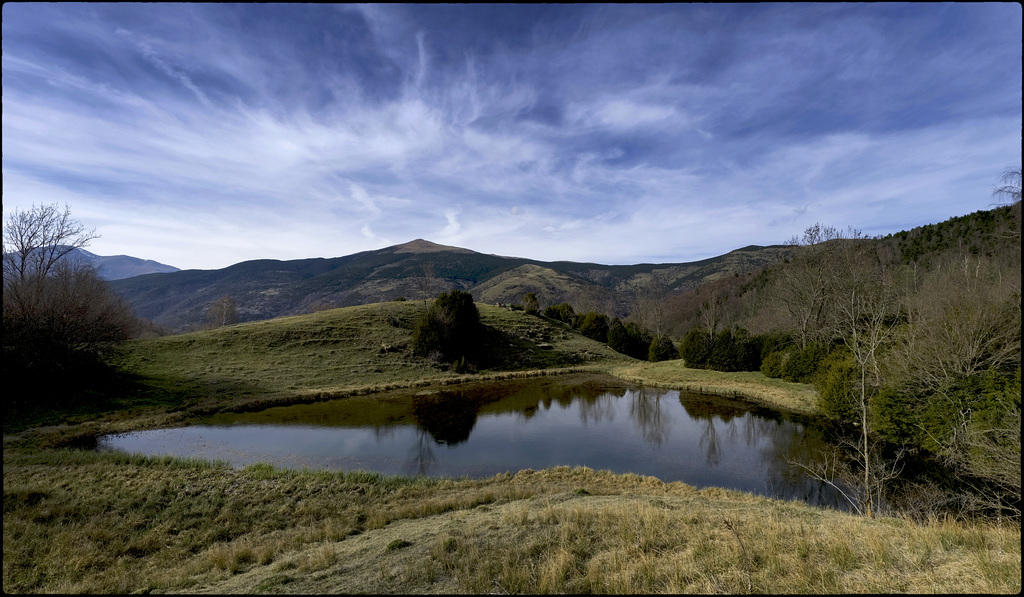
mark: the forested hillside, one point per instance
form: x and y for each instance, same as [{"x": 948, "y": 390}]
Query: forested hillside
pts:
[{"x": 912, "y": 340}]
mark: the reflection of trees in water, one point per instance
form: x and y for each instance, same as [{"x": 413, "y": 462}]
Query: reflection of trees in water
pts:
[
  {"x": 382, "y": 433},
  {"x": 448, "y": 417},
  {"x": 785, "y": 443},
  {"x": 699, "y": 406},
  {"x": 710, "y": 443},
  {"x": 421, "y": 455},
  {"x": 654, "y": 423},
  {"x": 777, "y": 439},
  {"x": 596, "y": 410},
  {"x": 704, "y": 410}
]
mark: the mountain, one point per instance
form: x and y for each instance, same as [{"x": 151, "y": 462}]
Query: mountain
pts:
[
  {"x": 117, "y": 267},
  {"x": 264, "y": 289}
]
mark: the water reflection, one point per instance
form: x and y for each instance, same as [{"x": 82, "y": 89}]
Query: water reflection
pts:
[
  {"x": 480, "y": 430},
  {"x": 653, "y": 422}
]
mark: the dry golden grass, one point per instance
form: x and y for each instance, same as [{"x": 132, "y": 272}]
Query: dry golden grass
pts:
[
  {"x": 85, "y": 522},
  {"x": 751, "y": 385}
]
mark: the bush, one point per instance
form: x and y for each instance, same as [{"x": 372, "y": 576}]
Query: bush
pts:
[
  {"x": 977, "y": 397},
  {"x": 773, "y": 364},
  {"x": 894, "y": 416},
  {"x": 450, "y": 328},
  {"x": 695, "y": 348},
  {"x": 60, "y": 342},
  {"x": 802, "y": 365},
  {"x": 563, "y": 313},
  {"x": 724, "y": 352},
  {"x": 838, "y": 394},
  {"x": 530, "y": 304},
  {"x": 748, "y": 350},
  {"x": 593, "y": 325},
  {"x": 662, "y": 349},
  {"x": 773, "y": 342},
  {"x": 629, "y": 339}
]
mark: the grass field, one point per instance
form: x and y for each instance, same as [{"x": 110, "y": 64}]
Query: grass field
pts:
[{"x": 80, "y": 521}]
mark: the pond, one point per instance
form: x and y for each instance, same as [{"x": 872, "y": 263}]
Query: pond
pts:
[{"x": 479, "y": 430}]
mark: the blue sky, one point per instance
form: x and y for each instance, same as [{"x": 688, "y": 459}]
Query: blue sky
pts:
[{"x": 202, "y": 135}]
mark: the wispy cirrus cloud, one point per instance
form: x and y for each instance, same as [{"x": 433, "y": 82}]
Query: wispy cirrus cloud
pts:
[{"x": 202, "y": 135}]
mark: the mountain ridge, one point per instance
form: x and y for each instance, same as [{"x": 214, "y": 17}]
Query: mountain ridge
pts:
[
  {"x": 268, "y": 288},
  {"x": 117, "y": 267}
]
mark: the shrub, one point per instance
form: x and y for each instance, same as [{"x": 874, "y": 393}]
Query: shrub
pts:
[
  {"x": 451, "y": 327},
  {"x": 593, "y": 325},
  {"x": 774, "y": 342},
  {"x": 629, "y": 339},
  {"x": 563, "y": 313},
  {"x": 748, "y": 350},
  {"x": 803, "y": 363},
  {"x": 696, "y": 348},
  {"x": 773, "y": 364},
  {"x": 59, "y": 332},
  {"x": 662, "y": 349},
  {"x": 837, "y": 387},
  {"x": 723, "y": 352},
  {"x": 530, "y": 304},
  {"x": 894, "y": 415}
]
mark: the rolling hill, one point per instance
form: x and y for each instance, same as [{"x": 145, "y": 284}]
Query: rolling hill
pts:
[{"x": 264, "y": 289}]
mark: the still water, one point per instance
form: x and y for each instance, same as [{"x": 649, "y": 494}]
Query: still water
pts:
[{"x": 480, "y": 430}]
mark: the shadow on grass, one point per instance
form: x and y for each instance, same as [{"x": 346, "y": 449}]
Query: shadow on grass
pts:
[
  {"x": 103, "y": 390},
  {"x": 503, "y": 351}
]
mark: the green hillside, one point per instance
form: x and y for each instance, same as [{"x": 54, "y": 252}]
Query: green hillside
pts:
[{"x": 341, "y": 351}]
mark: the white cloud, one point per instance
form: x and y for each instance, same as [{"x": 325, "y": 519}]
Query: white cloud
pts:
[
  {"x": 453, "y": 227},
  {"x": 539, "y": 147}
]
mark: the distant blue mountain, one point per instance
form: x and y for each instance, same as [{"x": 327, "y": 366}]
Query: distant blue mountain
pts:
[{"x": 118, "y": 267}]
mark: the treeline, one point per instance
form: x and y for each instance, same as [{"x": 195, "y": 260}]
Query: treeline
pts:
[
  {"x": 912, "y": 340},
  {"x": 628, "y": 338}
]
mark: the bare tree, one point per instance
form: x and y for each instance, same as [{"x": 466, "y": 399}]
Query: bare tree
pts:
[
  {"x": 59, "y": 317},
  {"x": 801, "y": 289},
  {"x": 1009, "y": 191},
  {"x": 224, "y": 311},
  {"x": 992, "y": 456},
  {"x": 865, "y": 314},
  {"x": 35, "y": 241},
  {"x": 862, "y": 486},
  {"x": 965, "y": 318},
  {"x": 428, "y": 283},
  {"x": 712, "y": 312}
]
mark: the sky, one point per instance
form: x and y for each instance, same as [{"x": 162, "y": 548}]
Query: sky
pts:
[{"x": 202, "y": 135}]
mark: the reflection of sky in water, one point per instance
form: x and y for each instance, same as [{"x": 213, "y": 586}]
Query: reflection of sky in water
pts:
[{"x": 663, "y": 434}]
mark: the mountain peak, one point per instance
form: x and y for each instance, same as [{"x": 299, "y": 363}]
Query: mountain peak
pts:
[{"x": 425, "y": 246}]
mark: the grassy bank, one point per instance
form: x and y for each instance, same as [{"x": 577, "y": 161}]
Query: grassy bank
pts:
[
  {"x": 751, "y": 385},
  {"x": 80, "y": 521}
]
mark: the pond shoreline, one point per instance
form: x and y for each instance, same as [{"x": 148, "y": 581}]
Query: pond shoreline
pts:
[
  {"x": 478, "y": 428},
  {"x": 672, "y": 375}
]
